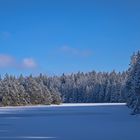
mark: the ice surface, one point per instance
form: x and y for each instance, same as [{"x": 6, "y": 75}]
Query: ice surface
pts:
[{"x": 69, "y": 122}]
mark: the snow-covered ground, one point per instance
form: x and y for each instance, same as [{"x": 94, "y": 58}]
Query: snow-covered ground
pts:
[
  {"x": 69, "y": 122},
  {"x": 63, "y": 105},
  {"x": 21, "y": 108}
]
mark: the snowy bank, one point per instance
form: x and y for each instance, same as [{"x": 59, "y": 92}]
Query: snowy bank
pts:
[{"x": 64, "y": 105}]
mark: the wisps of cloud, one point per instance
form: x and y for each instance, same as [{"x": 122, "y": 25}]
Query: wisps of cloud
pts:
[
  {"x": 29, "y": 63},
  {"x": 5, "y": 35},
  {"x": 76, "y": 51},
  {"x": 7, "y": 61}
]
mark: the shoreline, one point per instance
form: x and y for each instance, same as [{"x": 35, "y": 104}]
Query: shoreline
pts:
[{"x": 64, "y": 105}]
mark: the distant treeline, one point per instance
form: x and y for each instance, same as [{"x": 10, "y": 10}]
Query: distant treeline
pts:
[{"x": 92, "y": 87}]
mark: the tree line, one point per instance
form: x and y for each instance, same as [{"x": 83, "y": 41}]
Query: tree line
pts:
[
  {"x": 91, "y": 87},
  {"x": 26, "y": 91}
]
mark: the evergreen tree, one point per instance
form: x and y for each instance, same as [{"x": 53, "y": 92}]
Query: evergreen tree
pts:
[{"x": 133, "y": 84}]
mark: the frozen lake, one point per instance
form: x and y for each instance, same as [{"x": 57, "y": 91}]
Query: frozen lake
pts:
[{"x": 69, "y": 122}]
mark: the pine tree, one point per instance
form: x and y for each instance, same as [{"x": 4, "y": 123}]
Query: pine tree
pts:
[{"x": 133, "y": 83}]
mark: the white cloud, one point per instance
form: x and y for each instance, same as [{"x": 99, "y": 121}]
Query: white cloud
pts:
[
  {"x": 29, "y": 63},
  {"x": 76, "y": 51},
  {"x": 6, "y": 60}
]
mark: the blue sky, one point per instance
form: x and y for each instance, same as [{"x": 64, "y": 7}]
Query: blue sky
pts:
[{"x": 54, "y": 36}]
